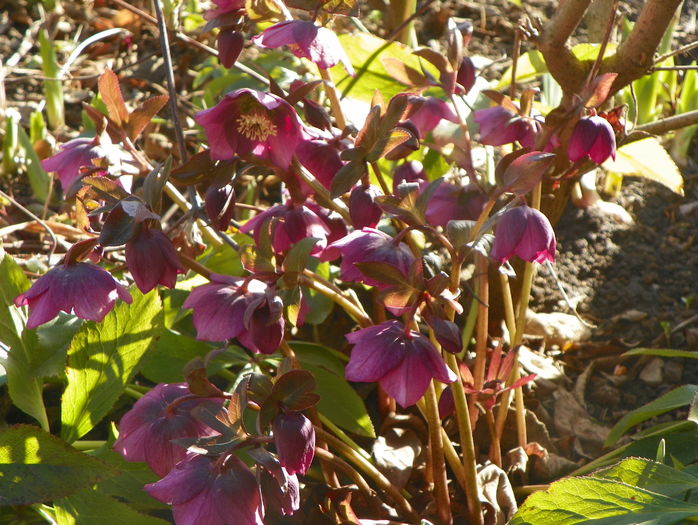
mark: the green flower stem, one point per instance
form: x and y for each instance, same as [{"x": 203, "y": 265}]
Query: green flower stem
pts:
[
  {"x": 335, "y": 104},
  {"x": 53, "y": 87},
  {"x": 469, "y": 466},
  {"x": 469, "y": 327},
  {"x": 510, "y": 320},
  {"x": 381, "y": 179},
  {"x": 88, "y": 445},
  {"x": 345, "y": 468},
  {"x": 372, "y": 472},
  {"x": 131, "y": 391},
  {"x": 481, "y": 265},
  {"x": 349, "y": 307},
  {"x": 321, "y": 194},
  {"x": 343, "y": 436},
  {"x": 438, "y": 463}
]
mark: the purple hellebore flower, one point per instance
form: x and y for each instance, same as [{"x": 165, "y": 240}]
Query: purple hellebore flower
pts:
[
  {"x": 280, "y": 491},
  {"x": 229, "y": 44},
  {"x": 294, "y": 437},
  {"x": 592, "y": 137},
  {"x": 368, "y": 245},
  {"x": 147, "y": 430},
  {"x": 465, "y": 76},
  {"x": 451, "y": 202},
  {"x": 363, "y": 209},
  {"x": 333, "y": 220},
  {"x": 72, "y": 156},
  {"x": 499, "y": 126},
  {"x": 232, "y": 307},
  {"x": 253, "y": 125},
  {"x": 219, "y": 202},
  {"x": 320, "y": 159},
  {"x": 403, "y": 362},
  {"x": 210, "y": 491},
  {"x": 427, "y": 112},
  {"x": 84, "y": 289},
  {"x": 290, "y": 223},
  {"x": 152, "y": 259},
  {"x": 224, "y": 7},
  {"x": 525, "y": 232},
  {"x": 306, "y": 40}
]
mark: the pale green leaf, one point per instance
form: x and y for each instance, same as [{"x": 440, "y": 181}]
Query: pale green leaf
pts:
[
  {"x": 650, "y": 475},
  {"x": 591, "y": 500},
  {"x": 91, "y": 507},
  {"x": 647, "y": 158},
  {"x": 103, "y": 358},
  {"x": 676, "y": 398},
  {"x": 25, "y": 387},
  {"x": 662, "y": 352},
  {"x": 38, "y": 467}
]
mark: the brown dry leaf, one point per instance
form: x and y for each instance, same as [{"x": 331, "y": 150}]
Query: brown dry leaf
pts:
[
  {"x": 396, "y": 452},
  {"x": 544, "y": 466},
  {"x": 497, "y": 496},
  {"x": 572, "y": 419},
  {"x": 557, "y": 328}
]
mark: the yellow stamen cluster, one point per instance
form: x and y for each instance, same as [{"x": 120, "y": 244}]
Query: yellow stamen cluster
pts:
[{"x": 256, "y": 126}]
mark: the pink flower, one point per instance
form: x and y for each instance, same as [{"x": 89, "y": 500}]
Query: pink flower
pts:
[
  {"x": 208, "y": 491},
  {"x": 229, "y": 44},
  {"x": 403, "y": 362},
  {"x": 223, "y": 8},
  {"x": 465, "y": 76},
  {"x": 253, "y": 125},
  {"x": 592, "y": 137},
  {"x": 290, "y": 223},
  {"x": 363, "y": 209},
  {"x": 147, "y": 430},
  {"x": 499, "y": 126},
  {"x": 84, "y": 289},
  {"x": 294, "y": 437},
  {"x": 368, "y": 245},
  {"x": 451, "y": 202},
  {"x": 152, "y": 260},
  {"x": 73, "y": 155},
  {"x": 426, "y": 113},
  {"x": 525, "y": 232},
  {"x": 306, "y": 40},
  {"x": 232, "y": 307},
  {"x": 320, "y": 159}
]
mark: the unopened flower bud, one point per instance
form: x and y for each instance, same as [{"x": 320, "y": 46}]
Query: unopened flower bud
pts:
[{"x": 592, "y": 137}]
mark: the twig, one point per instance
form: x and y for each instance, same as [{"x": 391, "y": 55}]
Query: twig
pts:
[
  {"x": 659, "y": 127},
  {"x": 345, "y": 468},
  {"x": 683, "y": 49},
  {"x": 49, "y": 231}
]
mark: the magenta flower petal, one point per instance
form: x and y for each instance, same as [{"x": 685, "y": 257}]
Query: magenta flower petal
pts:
[
  {"x": 72, "y": 156},
  {"x": 593, "y": 137},
  {"x": 84, "y": 289},
  {"x": 429, "y": 113},
  {"x": 363, "y": 209},
  {"x": 254, "y": 125},
  {"x": 320, "y": 159},
  {"x": 152, "y": 260},
  {"x": 147, "y": 430},
  {"x": 218, "y": 308},
  {"x": 499, "y": 126},
  {"x": 306, "y": 40},
  {"x": 525, "y": 232},
  {"x": 402, "y": 362},
  {"x": 294, "y": 437}
]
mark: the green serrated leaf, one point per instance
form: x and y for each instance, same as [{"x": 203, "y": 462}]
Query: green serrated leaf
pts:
[
  {"x": 650, "y": 475},
  {"x": 91, "y": 507},
  {"x": 319, "y": 306},
  {"x": 165, "y": 362},
  {"x": 676, "y": 398},
  {"x": 103, "y": 358},
  {"x": 38, "y": 467},
  {"x": 25, "y": 386},
  {"x": 340, "y": 403},
  {"x": 591, "y": 500}
]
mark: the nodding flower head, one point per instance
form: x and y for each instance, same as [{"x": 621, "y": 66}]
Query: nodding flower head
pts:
[
  {"x": 525, "y": 232},
  {"x": 592, "y": 137},
  {"x": 499, "y": 125}
]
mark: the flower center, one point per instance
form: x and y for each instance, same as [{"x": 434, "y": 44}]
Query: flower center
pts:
[{"x": 256, "y": 126}]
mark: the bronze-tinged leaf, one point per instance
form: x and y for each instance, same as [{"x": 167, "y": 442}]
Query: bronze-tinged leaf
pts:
[
  {"x": 500, "y": 99},
  {"x": 119, "y": 228},
  {"x": 106, "y": 187},
  {"x": 111, "y": 95},
  {"x": 143, "y": 114},
  {"x": 96, "y": 116},
  {"x": 368, "y": 133},
  {"x": 447, "y": 75},
  {"x": 263, "y": 10},
  {"x": 301, "y": 92},
  {"x": 383, "y": 272},
  {"x": 200, "y": 168},
  {"x": 386, "y": 144},
  {"x": 198, "y": 381},
  {"x": 601, "y": 87},
  {"x": 403, "y": 73}
]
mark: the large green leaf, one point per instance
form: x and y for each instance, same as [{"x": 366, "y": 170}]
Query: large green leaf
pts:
[
  {"x": 92, "y": 507},
  {"x": 650, "y": 475},
  {"x": 103, "y": 358},
  {"x": 597, "y": 501},
  {"x": 37, "y": 467},
  {"x": 676, "y": 398},
  {"x": 339, "y": 402},
  {"x": 24, "y": 385}
]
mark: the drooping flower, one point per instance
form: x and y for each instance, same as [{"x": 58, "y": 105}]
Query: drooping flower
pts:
[
  {"x": 465, "y": 76},
  {"x": 290, "y": 223},
  {"x": 294, "y": 437},
  {"x": 254, "y": 125},
  {"x": 84, "y": 289},
  {"x": 592, "y": 137},
  {"x": 363, "y": 209},
  {"x": 452, "y": 202},
  {"x": 232, "y": 307},
  {"x": 403, "y": 362},
  {"x": 499, "y": 125},
  {"x": 426, "y": 113},
  {"x": 320, "y": 159},
  {"x": 208, "y": 491},
  {"x": 152, "y": 260},
  {"x": 229, "y": 43},
  {"x": 368, "y": 245},
  {"x": 280, "y": 491},
  {"x": 219, "y": 202},
  {"x": 147, "y": 430},
  {"x": 306, "y": 40},
  {"x": 526, "y": 232}
]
